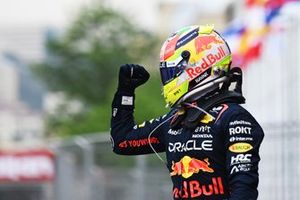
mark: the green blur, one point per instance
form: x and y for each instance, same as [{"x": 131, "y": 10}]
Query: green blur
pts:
[{"x": 83, "y": 62}]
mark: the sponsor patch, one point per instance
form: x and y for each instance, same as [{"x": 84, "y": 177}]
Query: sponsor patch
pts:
[
  {"x": 175, "y": 132},
  {"x": 239, "y": 122},
  {"x": 241, "y": 168},
  {"x": 240, "y": 130},
  {"x": 187, "y": 38},
  {"x": 202, "y": 76},
  {"x": 127, "y": 100},
  {"x": 240, "y": 147},
  {"x": 240, "y": 159},
  {"x": 205, "y": 63},
  {"x": 191, "y": 145},
  {"x": 203, "y": 129},
  {"x": 195, "y": 189},
  {"x": 240, "y": 139},
  {"x": 203, "y": 135}
]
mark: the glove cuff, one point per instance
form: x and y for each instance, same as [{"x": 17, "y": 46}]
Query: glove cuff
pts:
[{"x": 124, "y": 99}]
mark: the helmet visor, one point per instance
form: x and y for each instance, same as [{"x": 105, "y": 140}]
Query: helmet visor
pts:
[{"x": 169, "y": 73}]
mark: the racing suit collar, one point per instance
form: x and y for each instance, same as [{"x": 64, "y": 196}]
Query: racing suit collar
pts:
[{"x": 187, "y": 115}]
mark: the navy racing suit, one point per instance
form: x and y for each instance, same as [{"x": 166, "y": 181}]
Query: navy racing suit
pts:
[{"x": 217, "y": 159}]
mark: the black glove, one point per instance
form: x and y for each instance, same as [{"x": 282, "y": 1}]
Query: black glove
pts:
[{"x": 131, "y": 76}]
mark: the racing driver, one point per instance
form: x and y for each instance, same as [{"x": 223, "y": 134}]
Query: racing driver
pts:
[{"x": 211, "y": 142}]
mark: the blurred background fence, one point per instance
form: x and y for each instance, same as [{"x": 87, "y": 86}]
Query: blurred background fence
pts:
[{"x": 88, "y": 169}]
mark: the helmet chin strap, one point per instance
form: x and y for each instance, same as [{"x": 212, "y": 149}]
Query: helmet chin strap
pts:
[{"x": 202, "y": 90}]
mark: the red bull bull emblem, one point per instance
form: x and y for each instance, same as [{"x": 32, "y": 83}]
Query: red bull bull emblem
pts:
[
  {"x": 204, "y": 43},
  {"x": 187, "y": 166}
]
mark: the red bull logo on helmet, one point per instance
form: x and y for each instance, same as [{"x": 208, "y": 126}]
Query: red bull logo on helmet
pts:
[
  {"x": 205, "y": 63},
  {"x": 188, "y": 166}
]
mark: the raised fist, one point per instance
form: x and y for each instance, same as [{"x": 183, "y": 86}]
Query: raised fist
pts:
[{"x": 131, "y": 76}]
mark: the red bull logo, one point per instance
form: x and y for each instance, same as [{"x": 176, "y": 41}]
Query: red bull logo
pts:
[
  {"x": 205, "y": 63},
  {"x": 204, "y": 43},
  {"x": 195, "y": 189},
  {"x": 187, "y": 166}
]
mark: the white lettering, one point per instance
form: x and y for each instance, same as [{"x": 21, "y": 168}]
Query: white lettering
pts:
[
  {"x": 239, "y": 122},
  {"x": 202, "y": 136},
  {"x": 240, "y": 139},
  {"x": 207, "y": 145},
  {"x": 203, "y": 129},
  {"x": 175, "y": 132},
  {"x": 240, "y": 130},
  {"x": 241, "y": 158},
  {"x": 241, "y": 168},
  {"x": 190, "y": 145},
  {"x": 202, "y": 77}
]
